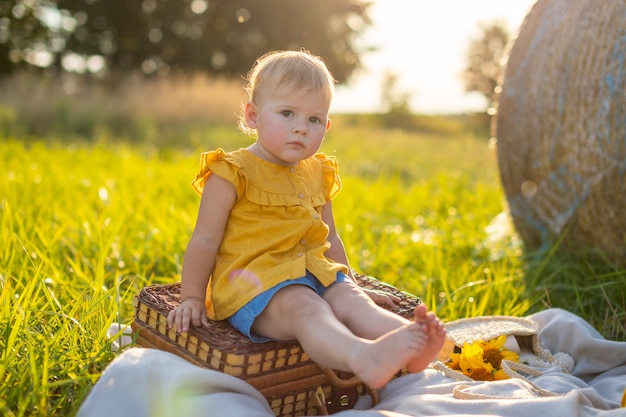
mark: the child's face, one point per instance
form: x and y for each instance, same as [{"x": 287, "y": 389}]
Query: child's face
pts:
[{"x": 290, "y": 124}]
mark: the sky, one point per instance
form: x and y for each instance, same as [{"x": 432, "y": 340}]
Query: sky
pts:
[{"x": 425, "y": 43}]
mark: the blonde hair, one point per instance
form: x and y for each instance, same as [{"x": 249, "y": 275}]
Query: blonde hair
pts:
[{"x": 297, "y": 69}]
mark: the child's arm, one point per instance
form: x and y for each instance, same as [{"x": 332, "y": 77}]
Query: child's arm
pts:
[
  {"x": 337, "y": 251},
  {"x": 218, "y": 198}
]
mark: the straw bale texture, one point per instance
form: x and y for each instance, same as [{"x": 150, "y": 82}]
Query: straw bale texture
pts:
[{"x": 561, "y": 126}]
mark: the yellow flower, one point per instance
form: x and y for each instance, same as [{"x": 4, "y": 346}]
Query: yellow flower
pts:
[
  {"x": 455, "y": 361},
  {"x": 495, "y": 352},
  {"x": 482, "y": 361},
  {"x": 500, "y": 374},
  {"x": 483, "y": 373},
  {"x": 471, "y": 358}
]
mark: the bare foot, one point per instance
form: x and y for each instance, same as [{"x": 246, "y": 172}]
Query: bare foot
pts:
[
  {"x": 436, "y": 338},
  {"x": 377, "y": 361}
]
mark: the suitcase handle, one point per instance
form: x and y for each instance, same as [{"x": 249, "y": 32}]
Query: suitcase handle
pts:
[{"x": 346, "y": 394}]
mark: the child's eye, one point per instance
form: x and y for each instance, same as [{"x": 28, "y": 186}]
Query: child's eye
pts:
[
  {"x": 314, "y": 119},
  {"x": 286, "y": 113}
]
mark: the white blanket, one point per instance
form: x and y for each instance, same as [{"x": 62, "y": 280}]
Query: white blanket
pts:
[{"x": 151, "y": 383}]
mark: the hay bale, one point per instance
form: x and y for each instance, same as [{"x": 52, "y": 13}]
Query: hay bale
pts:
[{"x": 561, "y": 126}]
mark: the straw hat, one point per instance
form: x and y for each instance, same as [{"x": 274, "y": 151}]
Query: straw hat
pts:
[
  {"x": 484, "y": 328},
  {"x": 522, "y": 337},
  {"x": 561, "y": 127}
]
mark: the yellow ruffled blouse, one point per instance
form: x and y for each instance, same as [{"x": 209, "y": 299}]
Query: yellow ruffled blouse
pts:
[{"x": 275, "y": 230}]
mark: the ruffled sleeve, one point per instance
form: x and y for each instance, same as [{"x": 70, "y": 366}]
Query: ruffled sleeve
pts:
[
  {"x": 220, "y": 163},
  {"x": 331, "y": 182}
]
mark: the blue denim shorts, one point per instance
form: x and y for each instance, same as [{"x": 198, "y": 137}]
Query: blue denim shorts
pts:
[{"x": 244, "y": 317}]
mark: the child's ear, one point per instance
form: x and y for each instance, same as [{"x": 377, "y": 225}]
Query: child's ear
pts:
[
  {"x": 328, "y": 124},
  {"x": 250, "y": 113}
]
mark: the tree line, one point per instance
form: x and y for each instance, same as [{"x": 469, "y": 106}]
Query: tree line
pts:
[{"x": 112, "y": 38}]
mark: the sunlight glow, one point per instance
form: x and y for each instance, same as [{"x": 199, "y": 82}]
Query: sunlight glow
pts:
[
  {"x": 199, "y": 6},
  {"x": 425, "y": 44}
]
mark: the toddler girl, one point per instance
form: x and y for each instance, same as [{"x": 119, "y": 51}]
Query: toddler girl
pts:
[{"x": 265, "y": 254}]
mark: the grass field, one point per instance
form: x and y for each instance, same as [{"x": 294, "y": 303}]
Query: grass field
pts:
[{"x": 85, "y": 227}]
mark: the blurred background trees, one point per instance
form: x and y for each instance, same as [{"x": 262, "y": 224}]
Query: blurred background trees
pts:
[
  {"x": 486, "y": 62},
  {"x": 156, "y": 37},
  {"x": 155, "y": 70}
]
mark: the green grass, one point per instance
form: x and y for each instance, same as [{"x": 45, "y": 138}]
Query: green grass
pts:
[{"x": 84, "y": 227}]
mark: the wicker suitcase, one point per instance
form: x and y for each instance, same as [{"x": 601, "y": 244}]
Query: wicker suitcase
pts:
[{"x": 292, "y": 383}]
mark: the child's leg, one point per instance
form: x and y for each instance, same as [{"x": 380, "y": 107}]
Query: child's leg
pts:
[
  {"x": 359, "y": 313},
  {"x": 366, "y": 319},
  {"x": 297, "y": 312}
]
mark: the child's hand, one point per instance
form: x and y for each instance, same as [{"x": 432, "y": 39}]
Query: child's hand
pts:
[
  {"x": 192, "y": 310},
  {"x": 381, "y": 297}
]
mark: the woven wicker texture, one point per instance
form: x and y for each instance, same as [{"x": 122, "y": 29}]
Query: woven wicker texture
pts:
[
  {"x": 281, "y": 371},
  {"x": 561, "y": 126},
  {"x": 485, "y": 328},
  {"x": 488, "y": 327},
  {"x": 526, "y": 334}
]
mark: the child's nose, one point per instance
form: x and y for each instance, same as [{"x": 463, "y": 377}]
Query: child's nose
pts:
[{"x": 300, "y": 127}]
